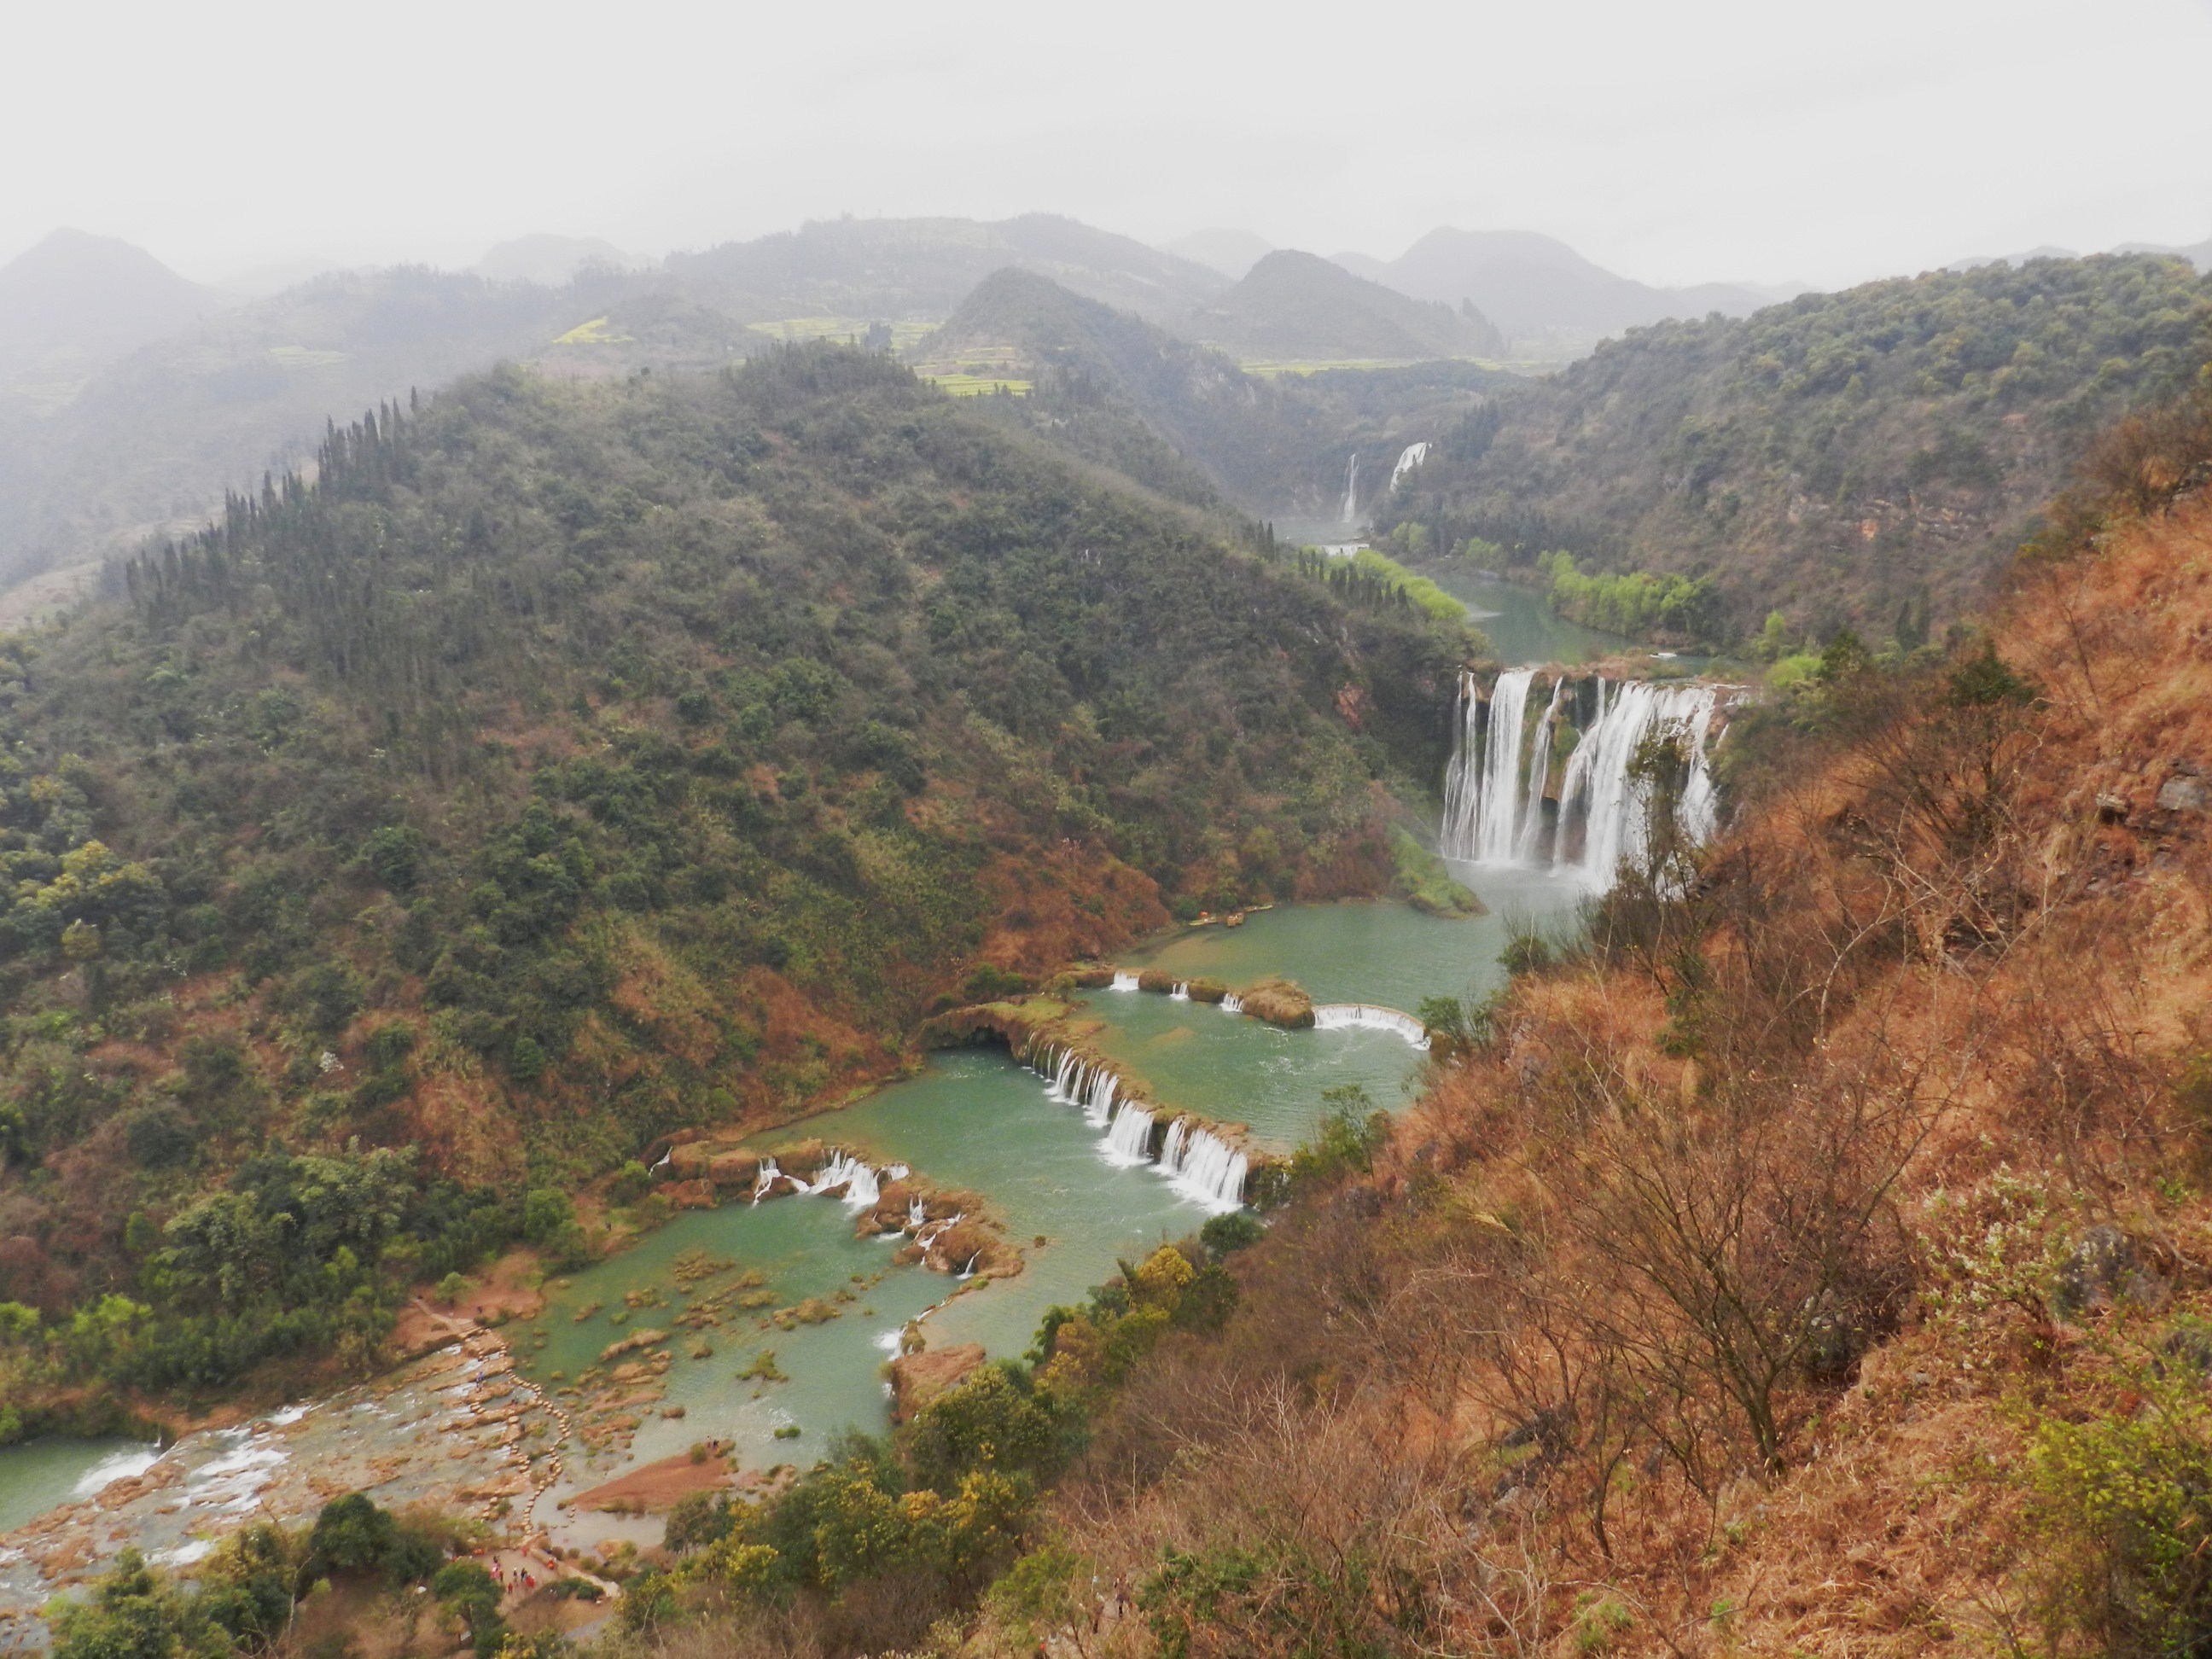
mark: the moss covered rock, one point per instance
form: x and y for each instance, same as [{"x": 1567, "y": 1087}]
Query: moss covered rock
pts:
[{"x": 1279, "y": 1002}]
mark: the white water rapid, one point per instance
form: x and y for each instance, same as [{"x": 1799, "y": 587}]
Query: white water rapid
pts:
[{"x": 1367, "y": 1017}]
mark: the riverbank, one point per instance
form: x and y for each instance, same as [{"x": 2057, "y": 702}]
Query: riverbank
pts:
[{"x": 459, "y": 1431}]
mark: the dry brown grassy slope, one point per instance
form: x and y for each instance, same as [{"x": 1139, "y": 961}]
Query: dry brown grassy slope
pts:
[{"x": 1716, "y": 1302}]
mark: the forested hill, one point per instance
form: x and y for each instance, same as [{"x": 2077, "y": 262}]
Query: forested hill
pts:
[
  {"x": 1272, "y": 445},
  {"x": 568, "y": 764},
  {"x": 1841, "y": 457},
  {"x": 1293, "y": 304}
]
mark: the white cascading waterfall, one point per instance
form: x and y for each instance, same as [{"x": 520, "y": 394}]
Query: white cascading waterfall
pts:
[
  {"x": 764, "y": 1178},
  {"x": 1495, "y": 786},
  {"x": 1181, "y": 992},
  {"x": 1600, "y": 797},
  {"x": 1413, "y": 455},
  {"x": 1123, "y": 981},
  {"x": 1233, "y": 1004},
  {"x": 1463, "y": 777},
  {"x": 1352, "y": 491},
  {"x": 1207, "y": 1168},
  {"x": 1369, "y": 1017},
  {"x": 1530, "y": 832},
  {"x": 1199, "y": 1164},
  {"x": 1498, "y": 817},
  {"x": 861, "y": 1186},
  {"x": 1130, "y": 1139},
  {"x": 1100, "y": 1088}
]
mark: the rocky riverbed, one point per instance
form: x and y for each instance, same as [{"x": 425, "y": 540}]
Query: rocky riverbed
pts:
[{"x": 457, "y": 1430}]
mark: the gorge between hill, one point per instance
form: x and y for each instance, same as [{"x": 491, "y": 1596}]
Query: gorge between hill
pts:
[{"x": 763, "y": 1328}]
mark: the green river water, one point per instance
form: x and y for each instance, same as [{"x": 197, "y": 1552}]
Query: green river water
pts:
[{"x": 975, "y": 1121}]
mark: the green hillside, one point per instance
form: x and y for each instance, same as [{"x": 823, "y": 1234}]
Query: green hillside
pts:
[
  {"x": 1839, "y": 458},
  {"x": 1301, "y": 307},
  {"x": 570, "y": 763},
  {"x": 1183, "y": 417}
]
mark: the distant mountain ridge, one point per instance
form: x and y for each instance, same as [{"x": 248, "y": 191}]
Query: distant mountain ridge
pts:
[
  {"x": 1231, "y": 252},
  {"x": 1537, "y": 289},
  {"x": 83, "y": 299},
  {"x": 894, "y": 268},
  {"x": 551, "y": 260},
  {"x": 1299, "y": 306}
]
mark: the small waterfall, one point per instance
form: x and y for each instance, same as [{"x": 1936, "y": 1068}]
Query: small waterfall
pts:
[
  {"x": 1130, "y": 1140},
  {"x": 1413, "y": 456},
  {"x": 1210, "y": 1171},
  {"x": 1233, "y": 1004},
  {"x": 1182, "y": 992},
  {"x": 1123, "y": 981},
  {"x": 917, "y": 1216},
  {"x": 1367, "y": 1017},
  {"x": 862, "y": 1188},
  {"x": 1352, "y": 491},
  {"x": 1199, "y": 1165},
  {"x": 1098, "y": 1098},
  {"x": 764, "y": 1178},
  {"x": 896, "y": 1172},
  {"x": 1063, "y": 1077}
]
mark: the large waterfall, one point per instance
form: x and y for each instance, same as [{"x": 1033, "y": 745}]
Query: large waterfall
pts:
[
  {"x": 1413, "y": 456},
  {"x": 1501, "y": 805},
  {"x": 1351, "y": 491}
]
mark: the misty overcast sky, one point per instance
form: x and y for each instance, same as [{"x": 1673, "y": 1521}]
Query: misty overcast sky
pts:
[{"x": 1712, "y": 139}]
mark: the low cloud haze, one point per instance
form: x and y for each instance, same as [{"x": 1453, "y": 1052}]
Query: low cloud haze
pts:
[{"x": 1713, "y": 140}]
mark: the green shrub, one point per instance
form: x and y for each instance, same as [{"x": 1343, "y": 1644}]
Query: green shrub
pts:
[
  {"x": 1225, "y": 1234},
  {"x": 2121, "y": 1507}
]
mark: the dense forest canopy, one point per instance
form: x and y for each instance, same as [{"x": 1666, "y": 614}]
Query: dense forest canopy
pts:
[
  {"x": 1837, "y": 458},
  {"x": 567, "y": 765}
]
